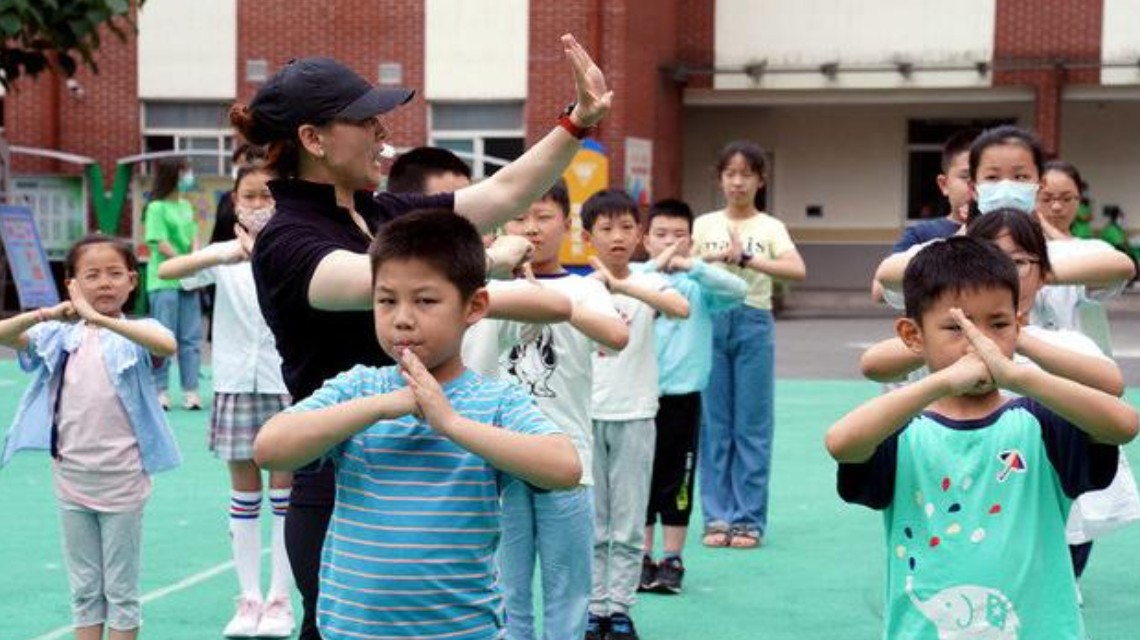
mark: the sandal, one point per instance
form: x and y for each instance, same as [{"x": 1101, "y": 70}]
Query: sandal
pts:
[
  {"x": 744, "y": 537},
  {"x": 717, "y": 534}
]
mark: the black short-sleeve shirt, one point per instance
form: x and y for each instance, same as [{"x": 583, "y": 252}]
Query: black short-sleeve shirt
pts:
[{"x": 316, "y": 345}]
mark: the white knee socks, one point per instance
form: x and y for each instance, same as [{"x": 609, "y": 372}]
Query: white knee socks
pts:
[
  {"x": 245, "y": 534},
  {"x": 281, "y": 578}
]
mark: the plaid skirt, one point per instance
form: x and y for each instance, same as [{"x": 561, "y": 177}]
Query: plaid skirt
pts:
[{"x": 236, "y": 419}]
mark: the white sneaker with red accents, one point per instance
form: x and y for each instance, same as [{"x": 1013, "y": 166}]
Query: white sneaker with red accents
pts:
[
  {"x": 245, "y": 622},
  {"x": 276, "y": 619}
]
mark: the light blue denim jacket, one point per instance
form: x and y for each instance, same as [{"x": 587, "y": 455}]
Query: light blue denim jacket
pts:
[{"x": 128, "y": 366}]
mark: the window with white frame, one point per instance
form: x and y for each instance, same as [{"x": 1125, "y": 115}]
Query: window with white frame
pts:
[
  {"x": 486, "y": 135},
  {"x": 199, "y": 127}
]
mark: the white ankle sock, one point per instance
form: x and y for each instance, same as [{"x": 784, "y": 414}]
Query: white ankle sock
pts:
[
  {"x": 281, "y": 578},
  {"x": 245, "y": 534}
]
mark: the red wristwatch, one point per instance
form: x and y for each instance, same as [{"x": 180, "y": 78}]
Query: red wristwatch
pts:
[{"x": 566, "y": 123}]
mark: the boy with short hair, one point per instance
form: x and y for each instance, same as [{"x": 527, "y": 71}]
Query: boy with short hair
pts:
[
  {"x": 420, "y": 449},
  {"x": 684, "y": 362},
  {"x": 954, "y": 184},
  {"x": 624, "y": 404},
  {"x": 428, "y": 170},
  {"x": 975, "y": 487},
  {"x": 553, "y": 362}
]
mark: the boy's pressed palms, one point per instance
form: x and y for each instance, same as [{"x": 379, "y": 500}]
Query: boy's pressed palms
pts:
[
  {"x": 1000, "y": 367},
  {"x": 969, "y": 375},
  {"x": 428, "y": 395}
]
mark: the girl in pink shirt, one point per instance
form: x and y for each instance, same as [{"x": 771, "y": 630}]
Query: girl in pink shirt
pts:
[{"x": 92, "y": 402}]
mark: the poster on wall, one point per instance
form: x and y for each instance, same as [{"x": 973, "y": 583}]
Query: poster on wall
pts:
[
  {"x": 59, "y": 204},
  {"x": 27, "y": 260},
  {"x": 639, "y": 170},
  {"x": 588, "y": 173}
]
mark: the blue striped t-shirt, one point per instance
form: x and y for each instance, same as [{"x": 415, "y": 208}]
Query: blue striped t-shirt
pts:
[{"x": 410, "y": 548}]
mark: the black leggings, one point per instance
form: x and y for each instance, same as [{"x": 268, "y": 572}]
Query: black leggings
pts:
[{"x": 305, "y": 527}]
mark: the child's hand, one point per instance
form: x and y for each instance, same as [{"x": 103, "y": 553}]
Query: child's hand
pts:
[
  {"x": 245, "y": 245},
  {"x": 968, "y": 376},
  {"x": 526, "y": 272},
  {"x": 730, "y": 254},
  {"x": 1049, "y": 229},
  {"x": 603, "y": 274},
  {"x": 735, "y": 247},
  {"x": 429, "y": 397},
  {"x": 505, "y": 255},
  {"x": 1001, "y": 368},
  {"x": 675, "y": 258},
  {"x": 82, "y": 307},
  {"x": 404, "y": 402},
  {"x": 64, "y": 312}
]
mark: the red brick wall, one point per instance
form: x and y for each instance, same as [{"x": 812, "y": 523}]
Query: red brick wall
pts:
[
  {"x": 696, "y": 35},
  {"x": 550, "y": 85},
  {"x": 1031, "y": 36},
  {"x": 359, "y": 33},
  {"x": 102, "y": 124},
  {"x": 631, "y": 41}
]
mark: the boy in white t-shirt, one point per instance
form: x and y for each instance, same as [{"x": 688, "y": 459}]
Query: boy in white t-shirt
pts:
[
  {"x": 553, "y": 363},
  {"x": 624, "y": 406}
]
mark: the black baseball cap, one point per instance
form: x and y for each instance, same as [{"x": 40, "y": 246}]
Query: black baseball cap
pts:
[{"x": 316, "y": 91}]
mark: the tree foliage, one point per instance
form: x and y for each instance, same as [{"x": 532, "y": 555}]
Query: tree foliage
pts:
[{"x": 38, "y": 35}]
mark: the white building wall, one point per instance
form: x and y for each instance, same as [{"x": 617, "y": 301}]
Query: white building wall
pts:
[
  {"x": 1102, "y": 140},
  {"x": 809, "y": 33},
  {"x": 1121, "y": 41},
  {"x": 851, "y": 160},
  {"x": 476, "y": 49},
  {"x": 188, "y": 50}
]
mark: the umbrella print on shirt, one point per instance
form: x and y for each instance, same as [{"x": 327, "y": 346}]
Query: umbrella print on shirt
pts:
[{"x": 1012, "y": 461}]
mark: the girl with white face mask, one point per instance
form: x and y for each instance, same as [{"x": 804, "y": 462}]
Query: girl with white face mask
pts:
[{"x": 248, "y": 390}]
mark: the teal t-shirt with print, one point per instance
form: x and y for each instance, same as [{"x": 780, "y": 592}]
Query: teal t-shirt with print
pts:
[
  {"x": 172, "y": 221},
  {"x": 974, "y": 514}
]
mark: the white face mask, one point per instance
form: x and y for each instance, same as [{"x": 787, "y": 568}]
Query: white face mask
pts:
[
  {"x": 1007, "y": 194},
  {"x": 254, "y": 220}
]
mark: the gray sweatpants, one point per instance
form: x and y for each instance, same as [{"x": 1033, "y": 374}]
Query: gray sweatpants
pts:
[
  {"x": 623, "y": 469},
  {"x": 103, "y": 552}
]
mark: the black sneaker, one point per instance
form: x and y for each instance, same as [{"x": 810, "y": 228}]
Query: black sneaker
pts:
[
  {"x": 670, "y": 572},
  {"x": 597, "y": 627},
  {"x": 621, "y": 628},
  {"x": 648, "y": 574}
]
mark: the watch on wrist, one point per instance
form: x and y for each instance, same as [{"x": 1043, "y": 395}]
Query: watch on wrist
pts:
[
  {"x": 567, "y": 123},
  {"x": 745, "y": 258}
]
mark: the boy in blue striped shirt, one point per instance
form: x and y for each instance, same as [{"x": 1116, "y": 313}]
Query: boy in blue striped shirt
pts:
[{"x": 419, "y": 449}]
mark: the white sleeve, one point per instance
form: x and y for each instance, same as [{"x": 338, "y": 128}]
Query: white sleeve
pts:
[
  {"x": 595, "y": 297},
  {"x": 1067, "y": 339}
]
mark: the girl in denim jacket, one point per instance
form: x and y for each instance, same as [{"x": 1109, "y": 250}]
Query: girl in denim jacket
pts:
[{"x": 92, "y": 403}]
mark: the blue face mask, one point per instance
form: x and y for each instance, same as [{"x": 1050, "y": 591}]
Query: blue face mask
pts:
[
  {"x": 1007, "y": 194},
  {"x": 186, "y": 181}
]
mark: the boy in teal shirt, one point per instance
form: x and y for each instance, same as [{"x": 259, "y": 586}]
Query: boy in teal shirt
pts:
[
  {"x": 975, "y": 486},
  {"x": 684, "y": 362}
]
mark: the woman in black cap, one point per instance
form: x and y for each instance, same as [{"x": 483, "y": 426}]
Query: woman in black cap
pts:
[{"x": 320, "y": 123}]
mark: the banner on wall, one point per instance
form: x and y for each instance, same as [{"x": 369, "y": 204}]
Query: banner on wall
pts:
[
  {"x": 27, "y": 260},
  {"x": 588, "y": 173},
  {"x": 204, "y": 196},
  {"x": 639, "y": 170}
]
